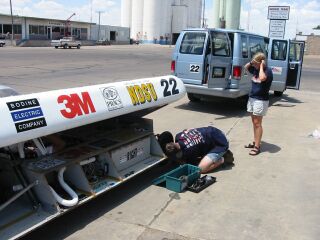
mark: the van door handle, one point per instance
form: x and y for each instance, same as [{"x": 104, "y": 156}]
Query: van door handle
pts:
[{"x": 292, "y": 66}]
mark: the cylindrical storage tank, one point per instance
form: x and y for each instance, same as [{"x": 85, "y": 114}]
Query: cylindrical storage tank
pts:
[
  {"x": 194, "y": 13},
  {"x": 233, "y": 14},
  {"x": 180, "y": 18},
  {"x": 169, "y": 18},
  {"x": 164, "y": 30},
  {"x": 126, "y": 13},
  {"x": 152, "y": 21},
  {"x": 216, "y": 11},
  {"x": 222, "y": 11},
  {"x": 137, "y": 19}
]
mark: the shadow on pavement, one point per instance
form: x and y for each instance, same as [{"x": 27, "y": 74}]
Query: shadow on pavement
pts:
[
  {"x": 283, "y": 101},
  {"x": 269, "y": 147},
  {"x": 80, "y": 217}
]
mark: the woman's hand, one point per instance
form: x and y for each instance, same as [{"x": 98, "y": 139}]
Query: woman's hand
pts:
[{"x": 263, "y": 63}]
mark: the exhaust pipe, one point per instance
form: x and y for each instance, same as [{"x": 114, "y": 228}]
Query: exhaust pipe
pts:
[{"x": 60, "y": 200}]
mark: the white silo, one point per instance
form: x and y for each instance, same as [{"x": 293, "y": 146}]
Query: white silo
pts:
[
  {"x": 216, "y": 14},
  {"x": 126, "y": 6},
  {"x": 152, "y": 20},
  {"x": 194, "y": 13},
  {"x": 180, "y": 18},
  {"x": 137, "y": 19},
  {"x": 233, "y": 14},
  {"x": 164, "y": 30}
]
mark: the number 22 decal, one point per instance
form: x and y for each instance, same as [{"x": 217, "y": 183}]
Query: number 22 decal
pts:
[
  {"x": 194, "y": 68},
  {"x": 166, "y": 84}
]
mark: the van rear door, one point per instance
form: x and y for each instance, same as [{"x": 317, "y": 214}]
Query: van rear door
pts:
[
  {"x": 220, "y": 60},
  {"x": 190, "y": 56},
  {"x": 295, "y": 64},
  {"x": 278, "y": 62}
]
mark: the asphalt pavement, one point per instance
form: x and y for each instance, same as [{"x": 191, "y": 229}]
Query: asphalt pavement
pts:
[{"x": 274, "y": 195}]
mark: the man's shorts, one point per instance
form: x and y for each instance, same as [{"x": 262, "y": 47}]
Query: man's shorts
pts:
[
  {"x": 215, "y": 157},
  {"x": 257, "y": 107}
]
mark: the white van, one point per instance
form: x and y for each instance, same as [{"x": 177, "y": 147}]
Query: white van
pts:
[{"x": 211, "y": 62}]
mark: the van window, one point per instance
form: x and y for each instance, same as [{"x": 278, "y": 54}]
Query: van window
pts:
[
  {"x": 256, "y": 45},
  {"x": 220, "y": 44},
  {"x": 244, "y": 47},
  {"x": 279, "y": 50},
  {"x": 295, "y": 52},
  {"x": 192, "y": 43}
]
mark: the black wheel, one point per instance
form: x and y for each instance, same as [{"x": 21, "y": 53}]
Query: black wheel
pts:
[
  {"x": 78, "y": 46},
  {"x": 56, "y": 47},
  {"x": 192, "y": 98},
  {"x": 69, "y": 47},
  {"x": 278, "y": 93},
  {"x": 65, "y": 46}
]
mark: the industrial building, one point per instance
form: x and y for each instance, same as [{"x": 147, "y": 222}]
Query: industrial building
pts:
[
  {"x": 226, "y": 14},
  {"x": 33, "y": 31},
  {"x": 159, "y": 21}
]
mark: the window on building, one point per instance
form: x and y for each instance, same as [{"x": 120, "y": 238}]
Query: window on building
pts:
[
  {"x": 33, "y": 29},
  {"x": 279, "y": 50},
  {"x": 84, "y": 30},
  {"x": 41, "y": 30},
  {"x": 0, "y": 28},
  {"x": 17, "y": 29},
  {"x": 112, "y": 35},
  {"x": 7, "y": 28},
  {"x": 192, "y": 43}
]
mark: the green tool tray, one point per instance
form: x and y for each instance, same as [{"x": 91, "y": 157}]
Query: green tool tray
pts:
[{"x": 173, "y": 180}]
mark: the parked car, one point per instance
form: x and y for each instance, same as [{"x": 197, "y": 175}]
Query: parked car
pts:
[
  {"x": 66, "y": 42},
  {"x": 2, "y": 43}
]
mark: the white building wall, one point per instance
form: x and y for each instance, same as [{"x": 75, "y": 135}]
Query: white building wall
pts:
[
  {"x": 180, "y": 18},
  {"x": 216, "y": 11},
  {"x": 137, "y": 19},
  {"x": 126, "y": 10},
  {"x": 194, "y": 13}
]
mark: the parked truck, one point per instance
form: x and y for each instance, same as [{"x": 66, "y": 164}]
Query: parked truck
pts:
[{"x": 66, "y": 42}]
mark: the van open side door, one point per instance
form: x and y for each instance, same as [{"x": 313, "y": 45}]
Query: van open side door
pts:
[
  {"x": 190, "y": 56},
  {"x": 296, "y": 52},
  {"x": 220, "y": 60}
]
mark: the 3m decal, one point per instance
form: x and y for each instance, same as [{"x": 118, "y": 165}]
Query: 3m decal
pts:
[
  {"x": 27, "y": 109},
  {"x": 112, "y": 98},
  {"x": 143, "y": 93},
  {"x": 166, "y": 84},
  {"x": 76, "y": 105}
]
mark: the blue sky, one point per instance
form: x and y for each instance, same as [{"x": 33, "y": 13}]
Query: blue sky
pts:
[{"x": 304, "y": 14}]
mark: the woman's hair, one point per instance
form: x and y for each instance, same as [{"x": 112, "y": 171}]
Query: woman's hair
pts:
[
  {"x": 258, "y": 57},
  {"x": 164, "y": 138}
]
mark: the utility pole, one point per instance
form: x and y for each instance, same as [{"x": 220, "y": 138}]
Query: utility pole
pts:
[
  {"x": 99, "y": 25},
  {"x": 203, "y": 11},
  {"x": 11, "y": 23}
]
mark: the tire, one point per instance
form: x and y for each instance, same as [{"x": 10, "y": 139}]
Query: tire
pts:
[
  {"x": 192, "y": 98},
  {"x": 56, "y": 47},
  {"x": 278, "y": 93},
  {"x": 65, "y": 46},
  {"x": 78, "y": 46},
  {"x": 69, "y": 47}
]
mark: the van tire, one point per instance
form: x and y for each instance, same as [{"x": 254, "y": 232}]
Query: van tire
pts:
[
  {"x": 278, "y": 93},
  {"x": 192, "y": 98},
  {"x": 65, "y": 46},
  {"x": 78, "y": 46}
]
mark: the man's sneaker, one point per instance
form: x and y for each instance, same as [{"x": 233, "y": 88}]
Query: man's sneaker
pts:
[{"x": 228, "y": 157}]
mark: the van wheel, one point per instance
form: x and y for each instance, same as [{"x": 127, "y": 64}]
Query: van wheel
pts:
[
  {"x": 78, "y": 46},
  {"x": 65, "y": 46},
  {"x": 192, "y": 98},
  {"x": 278, "y": 93},
  {"x": 56, "y": 47}
]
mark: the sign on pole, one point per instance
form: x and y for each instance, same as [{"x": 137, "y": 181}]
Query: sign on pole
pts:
[
  {"x": 278, "y": 12},
  {"x": 278, "y": 16},
  {"x": 277, "y": 28}
]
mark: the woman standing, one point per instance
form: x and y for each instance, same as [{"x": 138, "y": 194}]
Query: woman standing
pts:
[{"x": 258, "y": 98}]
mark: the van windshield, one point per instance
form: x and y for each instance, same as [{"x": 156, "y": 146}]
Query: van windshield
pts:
[{"x": 192, "y": 43}]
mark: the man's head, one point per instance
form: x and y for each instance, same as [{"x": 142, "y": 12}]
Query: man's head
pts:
[
  {"x": 257, "y": 59},
  {"x": 173, "y": 150},
  {"x": 164, "y": 138}
]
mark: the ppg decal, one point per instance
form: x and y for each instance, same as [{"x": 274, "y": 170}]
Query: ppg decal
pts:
[
  {"x": 76, "y": 105},
  {"x": 112, "y": 98}
]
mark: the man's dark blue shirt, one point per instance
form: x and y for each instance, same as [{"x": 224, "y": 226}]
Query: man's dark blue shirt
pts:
[
  {"x": 198, "y": 142},
  {"x": 260, "y": 90}
]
